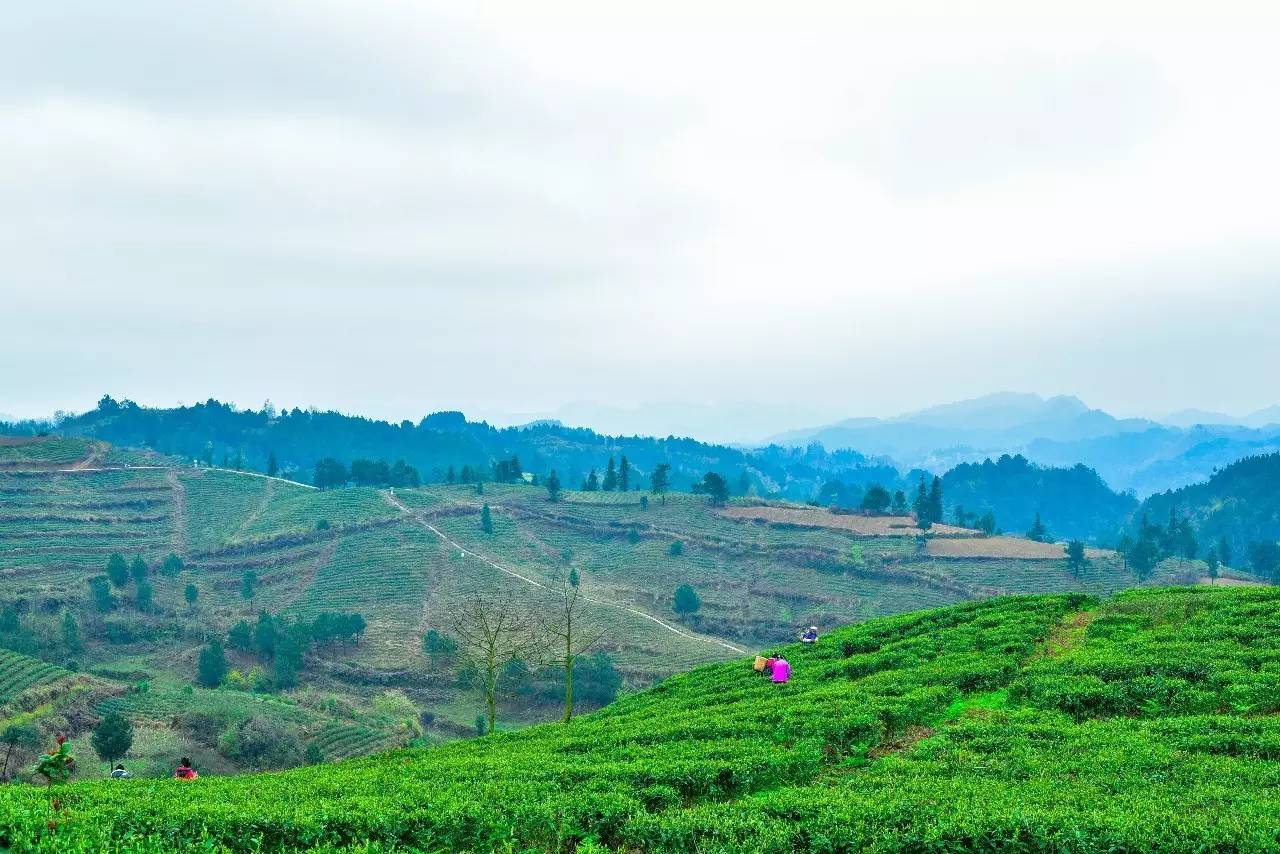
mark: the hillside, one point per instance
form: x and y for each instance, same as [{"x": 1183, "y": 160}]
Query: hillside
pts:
[
  {"x": 1240, "y": 503},
  {"x": 1073, "y": 503},
  {"x": 219, "y": 434},
  {"x": 1143, "y": 723},
  {"x": 404, "y": 559}
]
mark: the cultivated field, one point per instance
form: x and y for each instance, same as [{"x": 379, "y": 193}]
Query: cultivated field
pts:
[
  {"x": 866, "y": 526},
  {"x": 1004, "y": 547}
]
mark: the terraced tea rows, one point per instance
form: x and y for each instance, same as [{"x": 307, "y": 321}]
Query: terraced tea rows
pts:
[
  {"x": 965, "y": 728},
  {"x": 19, "y": 672}
]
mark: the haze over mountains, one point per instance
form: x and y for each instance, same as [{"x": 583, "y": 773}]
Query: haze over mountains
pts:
[{"x": 1137, "y": 454}]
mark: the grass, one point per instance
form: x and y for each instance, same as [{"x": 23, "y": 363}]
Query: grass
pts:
[{"x": 942, "y": 730}]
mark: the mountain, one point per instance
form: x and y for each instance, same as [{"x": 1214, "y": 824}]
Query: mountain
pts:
[
  {"x": 1195, "y": 417},
  {"x": 997, "y": 726},
  {"x": 1240, "y": 503},
  {"x": 1073, "y": 503},
  {"x": 969, "y": 430}
]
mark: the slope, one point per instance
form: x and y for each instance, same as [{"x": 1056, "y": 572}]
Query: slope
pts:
[{"x": 1034, "y": 723}]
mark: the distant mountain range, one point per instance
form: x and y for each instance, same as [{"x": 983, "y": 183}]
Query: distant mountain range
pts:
[{"x": 1137, "y": 454}]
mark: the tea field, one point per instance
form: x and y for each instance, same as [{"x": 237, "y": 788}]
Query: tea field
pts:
[{"x": 1144, "y": 722}]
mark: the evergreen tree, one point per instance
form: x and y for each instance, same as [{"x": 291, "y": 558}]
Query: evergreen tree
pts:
[
  {"x": 714, "y": 486},
  {"x": 624, "y": 475},
  {"x": 660, "y": 480},
  {"x": 451, "y": 476},
  {"x": 899, "y": 505},
  {"x": 329, "y": 473},
  {"x": 1224, "y": 551},
  {"x": 112, "y": 737},
  {"x": 100, "y": 594},
  {"x": 592, "y": 483},
  {"x": 1076, "y": 561},
  {"x": 987, "y": 523},
  {"x": 935, "y": 500},
  {"x": 248, "y": 584},
  {"x": 610, "y": 477},
  {"x": 876, "y": 499},
  {"x": 172, "y": 565},
  {"x": 514, "y": 470},
  {"x": 265, "y": 636},
  {"x": 486, "y": 520},
  {"x": 138, "y": 569},
  {"x": 553, "y": 486},
  {"x": 920, "y": 506},
  {"x": 117, "y": 570},
  {"x": 1038, "y": 532},
  {"x": 1211, "y": 561},
  {"x": 191, "y": 594},
  {"x": 212, "y": 667},
  {"x": 686, "y": 600},
  {"x": 272, "y": 466},
  {"x": 744, "y": 483}
]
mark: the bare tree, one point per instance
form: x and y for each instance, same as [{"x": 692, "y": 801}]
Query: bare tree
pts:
[
  {"x": 492, "y": 631},
  {"x": 569, "y": 634}
]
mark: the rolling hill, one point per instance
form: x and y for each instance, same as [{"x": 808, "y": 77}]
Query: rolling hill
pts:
[
  {"x": 1240, "y": 503},
  {"x": 405, "y": 558},
  {"x": 1143, "y": 723}
]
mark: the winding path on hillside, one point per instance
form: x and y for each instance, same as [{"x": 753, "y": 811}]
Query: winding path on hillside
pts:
[{"x": 395, "y": 502}]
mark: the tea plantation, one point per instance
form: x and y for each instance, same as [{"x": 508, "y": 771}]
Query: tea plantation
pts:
[{"x": 1147, "y": 722}]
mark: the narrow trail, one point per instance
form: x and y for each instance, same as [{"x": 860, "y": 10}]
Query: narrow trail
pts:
[
  {"x": 395, "y": 502},
  {"x": 179, "y": 493}
]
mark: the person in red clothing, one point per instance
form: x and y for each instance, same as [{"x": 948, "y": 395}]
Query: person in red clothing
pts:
[{"x": 184, "y": 771}]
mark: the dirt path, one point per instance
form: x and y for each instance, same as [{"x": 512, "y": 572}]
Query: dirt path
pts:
[
  {"x": 1065, "y": 636},
  {"x": 179, "y": 493},
  {"x": 267, "y": 495},
  {"x": 465, "y": 552}
]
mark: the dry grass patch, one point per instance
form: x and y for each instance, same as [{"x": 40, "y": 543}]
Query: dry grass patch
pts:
[
  {"x": 867, "y": 526},
  {"x": 1003, "y": 547}
]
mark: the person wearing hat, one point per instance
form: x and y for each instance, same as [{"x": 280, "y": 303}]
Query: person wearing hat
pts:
[{"x": 810, "y": 637}]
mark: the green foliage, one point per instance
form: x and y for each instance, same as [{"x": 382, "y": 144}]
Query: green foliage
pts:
[
  {"x": 714, "y": 486},
  {"x": 57, "y": 765},
  {"x": 686, "y": 600},
  {"x": 486, "y": 519},
  {"x": 139, "y": 570},
  {"x": 434, "y": 643},
  {"x": 71, "y": 640},
  {"x": 191, "y": 594},
  {"x": 100, "y": 594},
  {"x": 676, "y": 549},
  {"x": 1037, "y": 532},
  {"x": 248, "y": 584},
  {"x": 1076, "y": 561},
  {"x": 876, "y": 499},
  {"x": 633, "y": 536},
  {"x": 145, "y": 596},
  {"x": 212, "y": 666},
  {"x": 117, "y": 570},
  {"x": 172, "y": 565},
  {"x": 112, "y": 737},
  {"x": 553, "y": 486},
  {"x": 481, "y": 724}
]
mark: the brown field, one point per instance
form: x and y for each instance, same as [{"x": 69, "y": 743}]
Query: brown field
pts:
[
  {"x": 1002, "y": 547},
  {"x": 867, "y": 526}
]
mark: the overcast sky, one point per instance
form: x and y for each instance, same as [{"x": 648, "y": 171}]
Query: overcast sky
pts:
[{"x": 781, "y": 213}]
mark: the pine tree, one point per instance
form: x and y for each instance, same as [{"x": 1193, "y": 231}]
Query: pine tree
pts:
[
  {"x": 117, "y": 570},
  {"x": 191, "y": 594},
  {"x": 138, "y": 569},
  {"x": 451, "y": 476},
  {"x": 610, "y": 477},
  {"x": 553, "y": 486},
  {"x": 272, "y": 467},
  {"x": 1076, "y": 561},
  {"x": 486, "y": 520},
  {"x": 624, "y": 475},
  {"x": 920, "y": 507},
  {"x": 660, "y": 480},
  {"x": 248, "y": 584},
  {"x": 592, "y": 483},
  {"x": 935, "y": 500},
  {"x": 1038, "y": 532}
]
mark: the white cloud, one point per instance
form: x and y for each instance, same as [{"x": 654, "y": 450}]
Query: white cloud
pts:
[{"x": 506, "y": 208}]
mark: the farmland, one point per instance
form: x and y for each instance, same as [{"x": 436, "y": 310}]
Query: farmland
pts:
[
  {"x": 405, "y": 558},
  {"x": 1144, "y": 722}
]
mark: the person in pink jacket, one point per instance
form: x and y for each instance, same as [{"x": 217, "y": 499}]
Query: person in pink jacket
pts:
[{"x": 781, "y": 671}]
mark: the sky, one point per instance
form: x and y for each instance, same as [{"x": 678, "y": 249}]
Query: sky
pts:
[{"x": 727, "y": 219}]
